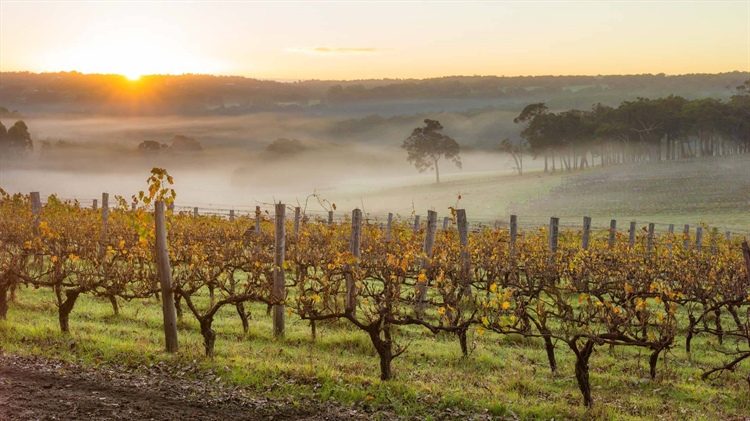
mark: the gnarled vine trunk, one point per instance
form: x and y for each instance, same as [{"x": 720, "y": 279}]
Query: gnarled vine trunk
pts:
[
  {"x": 3, "y": 302},
  {"x": 582, "y": 369},
  {"x": 243, "y": 316},
  {"x": 65, "y": 308},
  {"x": 209, "y": 336}
]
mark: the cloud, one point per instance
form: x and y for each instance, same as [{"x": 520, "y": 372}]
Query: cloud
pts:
[{"x": 333, "y": 50}]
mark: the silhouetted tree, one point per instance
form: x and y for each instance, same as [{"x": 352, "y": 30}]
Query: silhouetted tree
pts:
[
  {"x": 516, "y": 150},
  {"x": 182, "y": 143},
  {"x": 151, "y": 146},
  {"x": 426, "y": 146},
  {"x": 16, "y": 140}
]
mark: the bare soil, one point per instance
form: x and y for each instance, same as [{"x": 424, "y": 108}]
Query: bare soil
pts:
[{"x": 34, "y": 388}]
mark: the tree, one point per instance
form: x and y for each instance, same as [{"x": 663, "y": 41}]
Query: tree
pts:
[
  {"x": 536, "y": 131},
  {"x": 17, "y": 139},
  {"x": 151, "y": 146},
  {"x": 516, "y": 151},
  {"x": 182, "y": 143},
  {"x": 426, "y": 146}
]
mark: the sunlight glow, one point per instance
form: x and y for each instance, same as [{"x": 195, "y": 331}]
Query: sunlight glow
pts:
[
  {"x": 132, "y": 76},
  {"x": 132, "y": 57}
]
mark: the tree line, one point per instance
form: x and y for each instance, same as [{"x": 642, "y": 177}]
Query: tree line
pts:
[
  {"x": 644, "y": 130},
  {"x": 191, "y": 94}
]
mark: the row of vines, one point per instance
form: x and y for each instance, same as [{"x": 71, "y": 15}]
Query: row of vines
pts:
[{"x": 651, "y": 297}]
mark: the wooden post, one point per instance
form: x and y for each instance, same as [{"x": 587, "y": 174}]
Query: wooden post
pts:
[
  {"x": 388, "y": 227},
  {"x": 195, "y": 212},
  {"x": 132, "y": 207},
  {"x": 671, "y": 239},
  {"x": 651, "y": 227},
  {"x": 728, "y": 235},
  {"x": 698, "y": 238},
  {"x": 631, "y": 238},
  {"x": 714, "y": 234},
  {"x": 279, "y": 281},
  {"x": 105, "y": 213},
  {"x": 446, "y": 223},
  {"x": 554, "y": 232},
  {"x": 612, "y": 233},
  {"x": 463, "y": 238},
  {"x": 513, "y": 234},
  {"x": 354, "y": 248},
  {"x": 95, "y": 205},
  {"x": 429, "y": 243},
  {"x": 165, "y": 278},
  {"x": 416, "y": 224},
  {"x": 330, "y": 217},
  {"x": 257, "y": 220},
  {"x": 36, "y": 208},
  {"x": 746, "y": 254},
  {"x": 686, "y": 238},
  {"x": 105, "y": 223},
  {"x": 231, "y": 215},
  {"x": 586, "y": 232},
  {"x": 297, "y": 217}
]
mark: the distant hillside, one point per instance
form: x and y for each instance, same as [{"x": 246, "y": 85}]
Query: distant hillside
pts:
[{"x": 234, "y": 95}]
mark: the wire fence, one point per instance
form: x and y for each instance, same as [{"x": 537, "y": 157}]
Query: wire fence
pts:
[{"x": 340, "y": 216}]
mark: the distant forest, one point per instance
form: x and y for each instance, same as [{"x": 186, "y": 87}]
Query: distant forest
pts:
[
  {"x": 234, "y": 95},
  {"x": 642, "y": 130}
]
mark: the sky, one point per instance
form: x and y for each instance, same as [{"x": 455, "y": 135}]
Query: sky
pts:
[{"x": 363, "y": 40}]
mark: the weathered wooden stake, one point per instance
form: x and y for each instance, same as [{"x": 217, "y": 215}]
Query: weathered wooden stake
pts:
[
  {"x": 330, "y": 217},
  {"x": 446, "y": 223},
  {"x": 728, "y": 235},
  {"x": 105, "y": 213},
  {"x": 231, "y": 215},
  {"x": 36, "y": 208},
  {"x": 650, "y": 246},
  {"x": 671, "y": 239},
  {"x": 165, "y": 278},
  {"x": 585, "y": 238},
  {"x": 686, "y": 238},
  {"x": 416, "y": 224},
  {"x": 95, "y": 205},
  {"x": 279, "y": 281},
  {"x": 354, "y": 248},
  {"x": 612, "y": 233},
  {"x": 554, "y": 232},
  {"x": 463, "y": 238},
  {"x": 513, "y": 234},
  {"x": 297, "y": 218},
  {"x": 698, "y": 239},
  {"x": 746, "y": 254},
  {"x": 132, "y": 207},
  {"x": 388, "y": 227},
  {"x": 631, "y": 238},
  {"x": 429, "y": 243},
  {"x": 257, "y": 220},
  {"x": 105, "y": 222},
  {"x": 195, "y": 212}
]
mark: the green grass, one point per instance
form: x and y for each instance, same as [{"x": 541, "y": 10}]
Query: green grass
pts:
[
  {"x": 489, "y": 197},
  {"x": 504, "y": 375}
]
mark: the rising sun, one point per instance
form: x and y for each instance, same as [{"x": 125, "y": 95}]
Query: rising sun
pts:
[{"x": 133, "y": 76}]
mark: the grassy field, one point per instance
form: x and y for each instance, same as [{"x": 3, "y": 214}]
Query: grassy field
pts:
[
  {"x": 505, "y": 375},
  {"x": 713, "y": 190}
]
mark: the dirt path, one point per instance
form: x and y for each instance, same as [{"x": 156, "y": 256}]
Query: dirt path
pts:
[{"x": 37, "y": 389}]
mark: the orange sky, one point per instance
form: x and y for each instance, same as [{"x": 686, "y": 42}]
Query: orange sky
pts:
[{"x": 314, "y": 40}]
